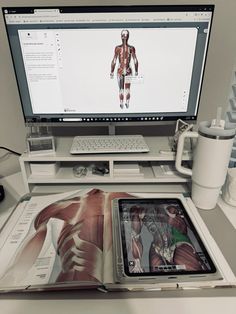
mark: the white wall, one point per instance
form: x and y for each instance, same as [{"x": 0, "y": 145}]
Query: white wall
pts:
[{"x": 220, "y": 62}]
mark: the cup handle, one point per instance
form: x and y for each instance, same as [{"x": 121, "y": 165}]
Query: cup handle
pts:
[{"x": 180, "y": 147}]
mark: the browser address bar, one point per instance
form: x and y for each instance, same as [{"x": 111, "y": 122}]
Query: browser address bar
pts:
[{"x": 45, "y": 11}]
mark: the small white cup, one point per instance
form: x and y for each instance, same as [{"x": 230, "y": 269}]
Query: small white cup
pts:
[{"x": 229, "y": 188}]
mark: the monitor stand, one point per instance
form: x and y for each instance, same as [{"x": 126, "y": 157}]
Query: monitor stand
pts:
[{"x": 111, "y": 129}]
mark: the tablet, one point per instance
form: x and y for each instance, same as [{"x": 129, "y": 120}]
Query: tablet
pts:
[{"x": 155, "y": 238}]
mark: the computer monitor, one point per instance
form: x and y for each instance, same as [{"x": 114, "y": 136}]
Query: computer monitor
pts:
[{"x": 102, "y": 64}]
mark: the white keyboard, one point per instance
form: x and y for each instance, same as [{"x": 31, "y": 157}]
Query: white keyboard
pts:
[{"x": 109, "y": 144}]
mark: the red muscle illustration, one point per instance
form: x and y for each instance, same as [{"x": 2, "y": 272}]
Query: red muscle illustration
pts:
[
  {"x": 124, "y": 53},
  {"x": 170, "y": 245},
  {"x": 80, "y": 241}
]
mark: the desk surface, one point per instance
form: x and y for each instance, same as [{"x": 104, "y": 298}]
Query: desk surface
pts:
[{"x": 192, "y": 301}]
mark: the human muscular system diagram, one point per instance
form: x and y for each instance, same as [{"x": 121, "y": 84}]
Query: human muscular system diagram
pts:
[
  {"x": 124, "y": 53},
  {"x": 80, "y": 242},
  {"x": 170, "y": 242}
]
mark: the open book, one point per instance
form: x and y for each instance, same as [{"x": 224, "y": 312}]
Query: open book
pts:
[{"x": 65, "y": 241}]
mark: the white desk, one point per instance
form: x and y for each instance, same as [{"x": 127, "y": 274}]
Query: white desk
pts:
[{"x": 189, "y": 302}]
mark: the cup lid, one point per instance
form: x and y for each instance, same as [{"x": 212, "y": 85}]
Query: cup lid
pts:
[{"x": 205, "y": 130}]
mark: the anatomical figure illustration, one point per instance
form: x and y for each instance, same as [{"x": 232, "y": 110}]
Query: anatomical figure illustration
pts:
[
  {"x": 79, "y": 243},
  {"x": 124, "y": 53},
  {"x": 170, "y": 244}
]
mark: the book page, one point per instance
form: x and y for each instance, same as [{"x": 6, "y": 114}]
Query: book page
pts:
[{"x": 54, "y": 240}]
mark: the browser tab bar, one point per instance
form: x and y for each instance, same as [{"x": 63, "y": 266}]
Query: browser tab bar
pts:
[{"x": 56, "y": 16}]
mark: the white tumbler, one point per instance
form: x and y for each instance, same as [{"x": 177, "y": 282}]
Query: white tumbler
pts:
[{"x": 211, "y": 157}]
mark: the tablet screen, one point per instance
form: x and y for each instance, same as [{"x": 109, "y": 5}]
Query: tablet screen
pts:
[{"x": 158, "y": 238}]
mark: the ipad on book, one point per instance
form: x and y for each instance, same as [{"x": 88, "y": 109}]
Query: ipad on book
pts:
[{"x": 154, "y": 239}]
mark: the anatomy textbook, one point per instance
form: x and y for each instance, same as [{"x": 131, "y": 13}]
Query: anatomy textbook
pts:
[{"x": 67, "y": 241}]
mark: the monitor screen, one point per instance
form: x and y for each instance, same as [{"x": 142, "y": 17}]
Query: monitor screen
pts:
[{"x": 109, "y": 63}]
